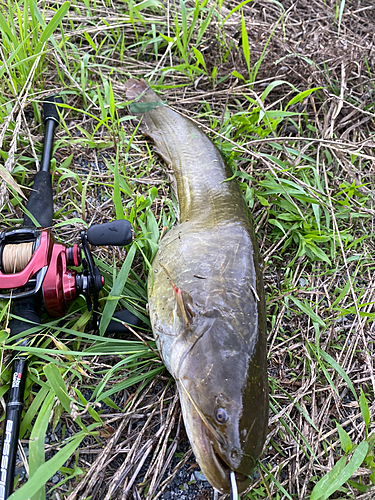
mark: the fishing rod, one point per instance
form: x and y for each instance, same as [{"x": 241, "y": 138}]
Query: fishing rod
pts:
[{"x": 35, "y": 272}]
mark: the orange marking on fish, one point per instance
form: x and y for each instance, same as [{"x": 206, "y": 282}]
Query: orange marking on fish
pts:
[{"x": 179, "y": 298}]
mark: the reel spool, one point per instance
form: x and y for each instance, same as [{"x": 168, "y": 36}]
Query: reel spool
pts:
[{"x": 16, "y": 257}]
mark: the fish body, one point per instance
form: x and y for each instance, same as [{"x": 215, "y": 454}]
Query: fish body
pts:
[{"x": 207, "y": 301}]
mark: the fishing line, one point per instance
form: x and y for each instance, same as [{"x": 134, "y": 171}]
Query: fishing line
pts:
[
  {"x": 233, "y": 486},
  {"x": 16, "y": 257}
]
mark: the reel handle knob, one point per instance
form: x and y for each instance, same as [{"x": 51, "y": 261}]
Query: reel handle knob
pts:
[{"x": 116, "y": 233}]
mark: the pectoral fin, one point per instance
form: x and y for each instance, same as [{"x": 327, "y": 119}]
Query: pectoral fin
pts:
[{"x": 184, "y": 300}]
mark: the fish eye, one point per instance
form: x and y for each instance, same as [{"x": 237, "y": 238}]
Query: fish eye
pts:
[{"x": 221, "y": 415}]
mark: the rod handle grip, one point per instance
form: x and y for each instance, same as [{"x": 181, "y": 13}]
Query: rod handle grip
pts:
[{"x": 40, "y": 202}]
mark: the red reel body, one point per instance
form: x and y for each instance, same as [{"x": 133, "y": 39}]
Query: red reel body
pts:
[
  {"x": 59, "y": 285},
  {"x": 47, "y": 270}
]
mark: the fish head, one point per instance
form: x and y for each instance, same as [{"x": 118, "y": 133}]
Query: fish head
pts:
[{"x": 223, "y": 391}]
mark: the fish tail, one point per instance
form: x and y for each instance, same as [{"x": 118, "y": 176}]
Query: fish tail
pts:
[
  {"x": 150, "y": 108},
  {"x": 140, "y": 91}
]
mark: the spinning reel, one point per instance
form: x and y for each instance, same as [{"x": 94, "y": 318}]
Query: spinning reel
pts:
[{"x": 31, "y": 261}]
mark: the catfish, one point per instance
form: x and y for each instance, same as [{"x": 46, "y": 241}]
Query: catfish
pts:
[{"x": 206, "y": 298}]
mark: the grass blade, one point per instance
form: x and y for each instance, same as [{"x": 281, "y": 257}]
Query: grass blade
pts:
[
  {"x": 47, "y": 470},
  {"x": 332, "y": 481},
  {"x": 307, "y": 310},
  {"x": 339, "y": 370},
  {"x": 36, "y": 447},
  {"x": 341, "y": 12},
  {"x": 52, "y": 25},
  {"x": 33, "y": 409},
  {"x": 245, "y": 44},
  {"x": 116, "y": 291},
  {"x": 58, "y": 385},
  {"x": 364, "y": 409},
  {"x": 116, "y": 190}
]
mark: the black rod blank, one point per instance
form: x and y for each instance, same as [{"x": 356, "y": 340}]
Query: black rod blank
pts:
[{"x": 51, "y": 120}]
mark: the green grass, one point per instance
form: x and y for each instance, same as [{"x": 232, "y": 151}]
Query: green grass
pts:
[{"x": 308, "y": 185}]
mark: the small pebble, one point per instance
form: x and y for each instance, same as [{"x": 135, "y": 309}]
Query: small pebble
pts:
[
  {"x": 20, "y": 472},
  {"x": 199, "y": 476},
  {"x": 55, "y": 479}
]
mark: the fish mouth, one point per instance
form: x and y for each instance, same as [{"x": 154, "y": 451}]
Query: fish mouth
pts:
[
  {"x": 208, "y": 447},
  {"x": 225, "y": 470},
  {"x": 215, "y": 467}
]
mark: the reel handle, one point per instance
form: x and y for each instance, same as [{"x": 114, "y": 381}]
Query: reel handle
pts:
[{"x": 115, "y": 233}]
